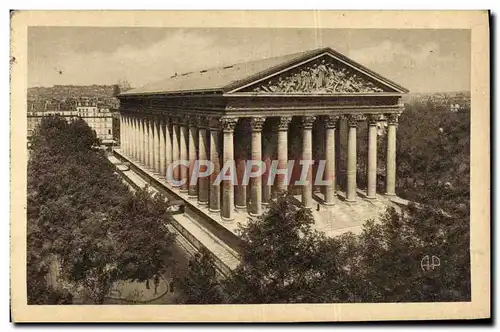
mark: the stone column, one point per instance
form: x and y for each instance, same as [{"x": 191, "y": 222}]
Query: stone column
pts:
[
  {"x": 241, "y": 189},
  {"x": 131, "y": 137},
  {"x": 175, "y": 148},
  {"x": 341, "y": 152},
  {"x": 161, "y": 121},
  {"x": 371, "y": 191},
  {"x": 125, "y": 135},
  {"x": 280, "y": 179},
  {"x": 134, "y": 137},
  {"x": 390, "y": 185},
  {"x": 352, "y": 122},
  {"x": 228, "y": 125},
  {"x": 158, "y": 138},
  {"x": 137, "y": 138},
  {"x": 242, "y": 144},
  {"x": 144, "y": 141},
  {"x": 132, "y": 140},
  {"x": 152, "y": 141},
  {"x": 307, "y": 125},
  {"x": 330, "y": 189},
  {"x": 129, "y": 134},
  {"x": 193, "y": 147},
  {"x": 256, "y": 183},
  {"x": 183, "y": 142},
  {"x": 215, "y": 128},
  {"x": 168, "y": 142},
  {"x": 121, "y": 132},
  {"x": 268, "y": 153},
  {"x": 203, "y": 144}
]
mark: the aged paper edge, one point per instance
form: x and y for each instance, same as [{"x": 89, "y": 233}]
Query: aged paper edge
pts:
[{"x": 476, "y": 21}]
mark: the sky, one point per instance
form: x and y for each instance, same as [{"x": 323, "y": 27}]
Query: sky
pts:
[{"x": 422, "y": 60}]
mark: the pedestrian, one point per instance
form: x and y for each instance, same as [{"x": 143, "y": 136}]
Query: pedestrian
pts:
[{"x": 157, "y": 283}]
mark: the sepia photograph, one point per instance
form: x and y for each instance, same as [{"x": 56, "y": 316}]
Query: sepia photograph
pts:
[{"x": 166, "y": 166}]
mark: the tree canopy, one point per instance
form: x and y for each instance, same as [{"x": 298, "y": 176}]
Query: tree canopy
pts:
[
  {"x": 201, "y": 284},
  {"x": 81, "y": 212}
]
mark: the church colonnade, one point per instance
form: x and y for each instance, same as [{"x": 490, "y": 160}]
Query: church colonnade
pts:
[{"x": 158, "y": 140}]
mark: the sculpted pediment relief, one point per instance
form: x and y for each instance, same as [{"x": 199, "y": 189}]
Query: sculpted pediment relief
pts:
[{"x": 321, "y": 76}]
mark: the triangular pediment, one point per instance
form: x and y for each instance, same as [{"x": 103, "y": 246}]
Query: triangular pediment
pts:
[{"x": 324, "y": 74}]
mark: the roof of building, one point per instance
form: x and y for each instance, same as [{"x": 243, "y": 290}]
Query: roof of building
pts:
[{"x": 224, "y": 79}]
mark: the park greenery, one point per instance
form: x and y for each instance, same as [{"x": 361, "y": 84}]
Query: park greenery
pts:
[
  {"x": 284, "y": 260},
  {"x": 83, "y": 216}
]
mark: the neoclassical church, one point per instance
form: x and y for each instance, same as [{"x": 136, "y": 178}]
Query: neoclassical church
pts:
[{"x": 294, "y": 107}]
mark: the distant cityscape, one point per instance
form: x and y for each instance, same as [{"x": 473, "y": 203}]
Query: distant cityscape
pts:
[
  {"x": 66, "y": 97},
  {"x": 454, "y": 101},
  {"x": 96, "y": 104}
]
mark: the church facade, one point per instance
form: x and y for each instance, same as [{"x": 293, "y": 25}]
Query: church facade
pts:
[{"x": 289, "y": 112}]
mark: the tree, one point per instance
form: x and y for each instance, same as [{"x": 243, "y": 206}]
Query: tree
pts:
[
  {"x": 39, "y": 292},
  {"x": 391, "y": 265},
  {"x": 279, "y": 261},
  {"x": 90, "y": 260},
  {"x": 434, "y": 151},
  {"x": 80, "y": 212},
  {"x": 284, "y": 261},
  {"x": 201, "y": 285},
  {"x": 144, "y": 241}
]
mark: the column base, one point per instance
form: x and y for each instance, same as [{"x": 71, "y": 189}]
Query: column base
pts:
[
  {"x": 227, "y": 219},
  {"x": 351, "y": 201},
  {"x": 241, "y": 207},
  {"x": 214, "y": 211},
  {"x": 390, "y": 194},
  {"x": 202, "y": 203},
  {"x": 329, "y": 204},
  {"x": 370, "y": 198},
  {"x": 184, "y": 191},
  {"x": 192, "y": 196},
  {"x": 254, "y": 214}
]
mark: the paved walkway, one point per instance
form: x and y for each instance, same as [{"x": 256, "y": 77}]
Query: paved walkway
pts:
[{"x": 137, "y": 292}]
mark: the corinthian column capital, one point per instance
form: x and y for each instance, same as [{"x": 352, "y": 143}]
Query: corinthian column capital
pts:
[
  {"x": 308, "y": 121},
  {"x": 257, "y": 123},
  {"x": 283, "y": 123},
  {"x": 373, "y": 119},
  {"x": 352, "y": 120},
  {"x": 331, "y": 121},
  {"x": 228, "y": 124},
  {"x": 392, "y": 118}
]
